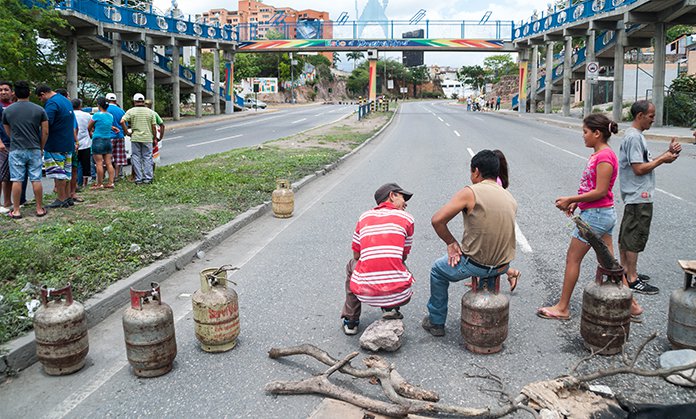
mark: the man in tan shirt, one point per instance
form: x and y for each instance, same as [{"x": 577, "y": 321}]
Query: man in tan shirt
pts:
[{"x": 488, "y": 245}]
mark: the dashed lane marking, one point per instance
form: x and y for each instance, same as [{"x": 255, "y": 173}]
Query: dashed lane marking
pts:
[
  {"x": 298, "y": 121},
  {"x": 214, "y": 141},
  {"x": 457, "y": 133}
]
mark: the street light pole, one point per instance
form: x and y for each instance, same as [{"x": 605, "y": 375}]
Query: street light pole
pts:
[{"x": 292, "y": 80}]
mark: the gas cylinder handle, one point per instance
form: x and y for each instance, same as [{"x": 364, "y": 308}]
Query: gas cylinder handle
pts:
[
  {"x": 612, "y": 275},
  {"x": 213, "y": 279},
  {"x": 138, "y": 297},
  {"x": 53, "y": 294},
  {"x": 688, "y": 280}
]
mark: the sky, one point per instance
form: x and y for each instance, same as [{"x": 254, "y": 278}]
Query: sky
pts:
[{"x": 516, "y": 10}]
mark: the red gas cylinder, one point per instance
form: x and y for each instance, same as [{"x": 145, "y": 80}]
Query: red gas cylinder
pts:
[
  {"x": 60, "y": 327},
  {"x": 485, "y": 315},
  {"x": 148, "y": 327}
]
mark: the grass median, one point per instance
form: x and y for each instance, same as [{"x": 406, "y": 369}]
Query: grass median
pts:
[{"x": 116, "y": 232}]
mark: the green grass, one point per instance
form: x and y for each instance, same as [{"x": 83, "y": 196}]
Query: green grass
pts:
[{"x": 89, "y": 244}]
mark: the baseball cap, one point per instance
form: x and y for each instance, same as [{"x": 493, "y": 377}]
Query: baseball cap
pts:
[
  {"x": 138, "y": 97},
  {"x": 383, "y": 191},
  {"x": 111, "y": 96}
]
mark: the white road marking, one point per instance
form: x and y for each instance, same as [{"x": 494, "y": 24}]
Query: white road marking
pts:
[
  {"x": 447, "y": 124},
  {"x": 457, "y": 133},
  {"x": 441, "y": 120},
  {"x": 671, "y": 194},
  {"x": 521, "y": 239},
  {"x": 480, "y": 119},
  {"x": 214, "y": 141},
  {"x": 559, "y": 148},
  {"x": 320, "y": 114},
  {"x": 174, "y": 138},
  {"x": 255, "y": 121},
  {"x": 299, "y": 120}
]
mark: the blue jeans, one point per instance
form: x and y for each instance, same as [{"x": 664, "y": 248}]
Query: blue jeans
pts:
[
  {"x": 441, "y": 274},
  {"x": 600, "y": 220},
  {"x": 141, "y": 158}
]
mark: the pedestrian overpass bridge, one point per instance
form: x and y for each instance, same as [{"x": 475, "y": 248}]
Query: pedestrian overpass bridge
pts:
[{"x": 130, "y": 35}]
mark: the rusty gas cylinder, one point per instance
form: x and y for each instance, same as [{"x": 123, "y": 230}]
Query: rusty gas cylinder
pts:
[
  {"x": 606, "y": 312},
  {"x": 148, "y": 327},
  {"x": 215, "y": 311},
  {"x": 60, "y": 327},
  {"x": 283, "y": 199},
  {"x": 485, "y": 314},
  {"x": 681, "y": 323}
]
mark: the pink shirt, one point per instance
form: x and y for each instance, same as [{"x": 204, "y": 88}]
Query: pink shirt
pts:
[{"x": 588, "y": 181}]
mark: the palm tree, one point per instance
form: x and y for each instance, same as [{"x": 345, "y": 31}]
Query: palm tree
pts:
[
  {"x": 336, "y": 58},
  {"x": 355, "y": 56}
]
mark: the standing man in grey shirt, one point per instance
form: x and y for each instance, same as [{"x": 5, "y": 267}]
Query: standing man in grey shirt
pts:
[{"x": 637, "y": 179}]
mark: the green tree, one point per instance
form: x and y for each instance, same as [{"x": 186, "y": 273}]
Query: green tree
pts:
[
  {"x": 355, "y": 56},
  {"x": 499, "y": 65},
  {"x": 336, "y": 58},
  {"x": 22, "y": 55},
  {"x": 274, "y": 34},
  {"x": 358, "y": 80},
  {"x": 417, "y": 76},
  {"x": 473, "y": 75},
  {"x": 678, "y": 30}
]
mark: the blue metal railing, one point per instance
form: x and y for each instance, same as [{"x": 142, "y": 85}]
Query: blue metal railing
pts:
[{"x": 579, "y": 11}]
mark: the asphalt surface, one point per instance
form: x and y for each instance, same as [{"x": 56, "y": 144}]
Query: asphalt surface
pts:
[{"x": 290, "y": 284}]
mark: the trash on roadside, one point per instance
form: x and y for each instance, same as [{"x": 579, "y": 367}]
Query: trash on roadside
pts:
[{"x": 134, "y": 248}]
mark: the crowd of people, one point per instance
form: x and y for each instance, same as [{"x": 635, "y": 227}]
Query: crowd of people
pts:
[
  {"x": 480, "y": 103},
  {"x": 383, "y": 237},
  {"x": 72, "y": 145}
]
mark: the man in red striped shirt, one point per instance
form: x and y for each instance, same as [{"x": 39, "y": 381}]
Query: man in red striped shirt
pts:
[{"x": 376, "y": 275}]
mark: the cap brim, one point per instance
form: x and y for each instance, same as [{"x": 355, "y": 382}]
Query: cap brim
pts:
[{"x": 407, "y": 195}]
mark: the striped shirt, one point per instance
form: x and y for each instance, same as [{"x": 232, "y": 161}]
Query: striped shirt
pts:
[
  {"x": 383, "y": 237},
  {"x": 140, "y": 120}
]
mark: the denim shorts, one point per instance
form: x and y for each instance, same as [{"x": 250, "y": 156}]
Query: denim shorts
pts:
[
  {"x": 23, "y": 162},
  {"x": 600, "y": 220},
  {"x": 101, "y": 146},
  {"x": 58, "y": 165}
]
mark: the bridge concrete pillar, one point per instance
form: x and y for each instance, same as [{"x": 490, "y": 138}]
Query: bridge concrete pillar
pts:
[
  {"x": 229, "y": 82},
  {"x": 658, "y": 86},
  {"x": 197, "y": 89},
  {"x": 534, "y": 81},
  {"x": 372, "y": 85},
  {"x": 590, "y": 55},
  {"x": 176, "y": 86},
  {"x": 216, "y": 80},
  {"x": 149, "y": 71},
  {"x": 567, "y": 73},
  {"x": 117, "y": 59},
  {"x": 71, "y": 67},
  {"x": 523, "y": 93},
  {"x": 620, "y": 37},
  {"x": 548, "y": 78}
]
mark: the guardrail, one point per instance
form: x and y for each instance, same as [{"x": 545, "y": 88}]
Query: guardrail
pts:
[{"x": 579, "y": 11}]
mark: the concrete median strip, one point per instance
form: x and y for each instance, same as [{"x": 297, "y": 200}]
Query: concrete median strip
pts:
[{"x": 20, "y": 353}]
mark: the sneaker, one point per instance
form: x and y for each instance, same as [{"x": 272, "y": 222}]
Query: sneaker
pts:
[
  {"x": 70, "y": 202},
  {"x": 642, "y": 287},
  {"x": 58, "y": 204},
  {"x": 5, "y": 210},
  {"x": 391, "y": 314},
  {"x": 643, "y": 277},
  {"x": 350, "y": 327},
  {"x": 437, "y": 330}
]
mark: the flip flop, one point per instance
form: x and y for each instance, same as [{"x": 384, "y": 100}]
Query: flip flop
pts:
[
  {"x": 544, "y": 313},
  {"x": 637, "y": 318},
  {"x": 96, "y": 187},
  {"x": 41, "y": 214},
  {"x": 78, "y": 199},
  {"x": 513, "y": 280},
  {"x": 14, "y": 217},
  {"x": 109, "y": 186}
]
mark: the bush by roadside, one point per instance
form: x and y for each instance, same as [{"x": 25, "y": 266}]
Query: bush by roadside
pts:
[{"x": 116, "y": 232}]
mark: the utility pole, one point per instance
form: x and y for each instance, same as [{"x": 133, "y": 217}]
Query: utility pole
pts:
[{"x": 292, "y": 79}]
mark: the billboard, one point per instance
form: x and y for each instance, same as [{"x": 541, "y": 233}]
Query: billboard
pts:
[
  {"x": 308, "y": 29},
  {"x": 266, "y": 84},
  {"x": 412, "y": 58}
]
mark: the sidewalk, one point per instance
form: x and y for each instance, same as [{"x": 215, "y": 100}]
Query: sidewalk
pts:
[{"x": 683, "y": 135}]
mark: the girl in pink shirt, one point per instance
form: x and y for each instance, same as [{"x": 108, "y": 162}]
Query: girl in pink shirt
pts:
[{"x": 596, "y": 202}]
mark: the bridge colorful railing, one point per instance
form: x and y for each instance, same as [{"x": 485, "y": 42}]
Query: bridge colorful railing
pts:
[
  {"x": 363, "y": 44},
  {"x": 579, "y": 11}
]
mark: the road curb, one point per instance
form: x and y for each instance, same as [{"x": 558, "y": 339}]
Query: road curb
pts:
[{"x": 21, "y": 352}]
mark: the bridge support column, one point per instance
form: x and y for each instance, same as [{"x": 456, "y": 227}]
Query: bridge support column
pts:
[
  {"x": 216, "y": 80},
  {"x": 534, "y": 81},
  {"x": 548, "y": 79},
  {"x": 659, "y": 74},
  {"x": 71, "y": 79},
  {"x": 229, "y": 82},
  {"x": 620, "y": 37},
  {"x": 567, "y": 73},
  {"x": 197, "y": 87},
  {"x": 149, "y": 71},
  {"x": 117, "y": 58},
  {"x": 372, "y": 72},
  {"x": 523, "y": 93},
  {"x": 176, "y": 87},
  {"x": 589, "y": 56}
]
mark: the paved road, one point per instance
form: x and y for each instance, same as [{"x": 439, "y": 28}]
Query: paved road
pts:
[{"x": 292, "y": 273}]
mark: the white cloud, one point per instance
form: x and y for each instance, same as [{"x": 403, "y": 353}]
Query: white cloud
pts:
[{"x": 470, "y": 10}]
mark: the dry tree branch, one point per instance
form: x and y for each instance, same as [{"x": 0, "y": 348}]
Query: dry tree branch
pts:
[
  {"x": 340, "y": 364},
  {"x": 660, "y": 372},
  {"x": 593, "y": 353},
  {"x": 641, "y": 347}
]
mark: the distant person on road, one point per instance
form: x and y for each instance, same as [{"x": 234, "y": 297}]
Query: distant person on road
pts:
[
  {"x": 101, "y": 127},
  {"x": 488, "y": 244},
  {"x": 27, "y": 125},
  {"x": 84, "y": 152},
  {"x": 596, "y": 202},
  {"x": 497, "y": 103},
  {"x": 60, "y": 144},
  {"x": 377, "y": 275},
  {"x": 637, "y": 184},
  {"x": 118, "y": 141},
  {"x": 143, "y": 134}
]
